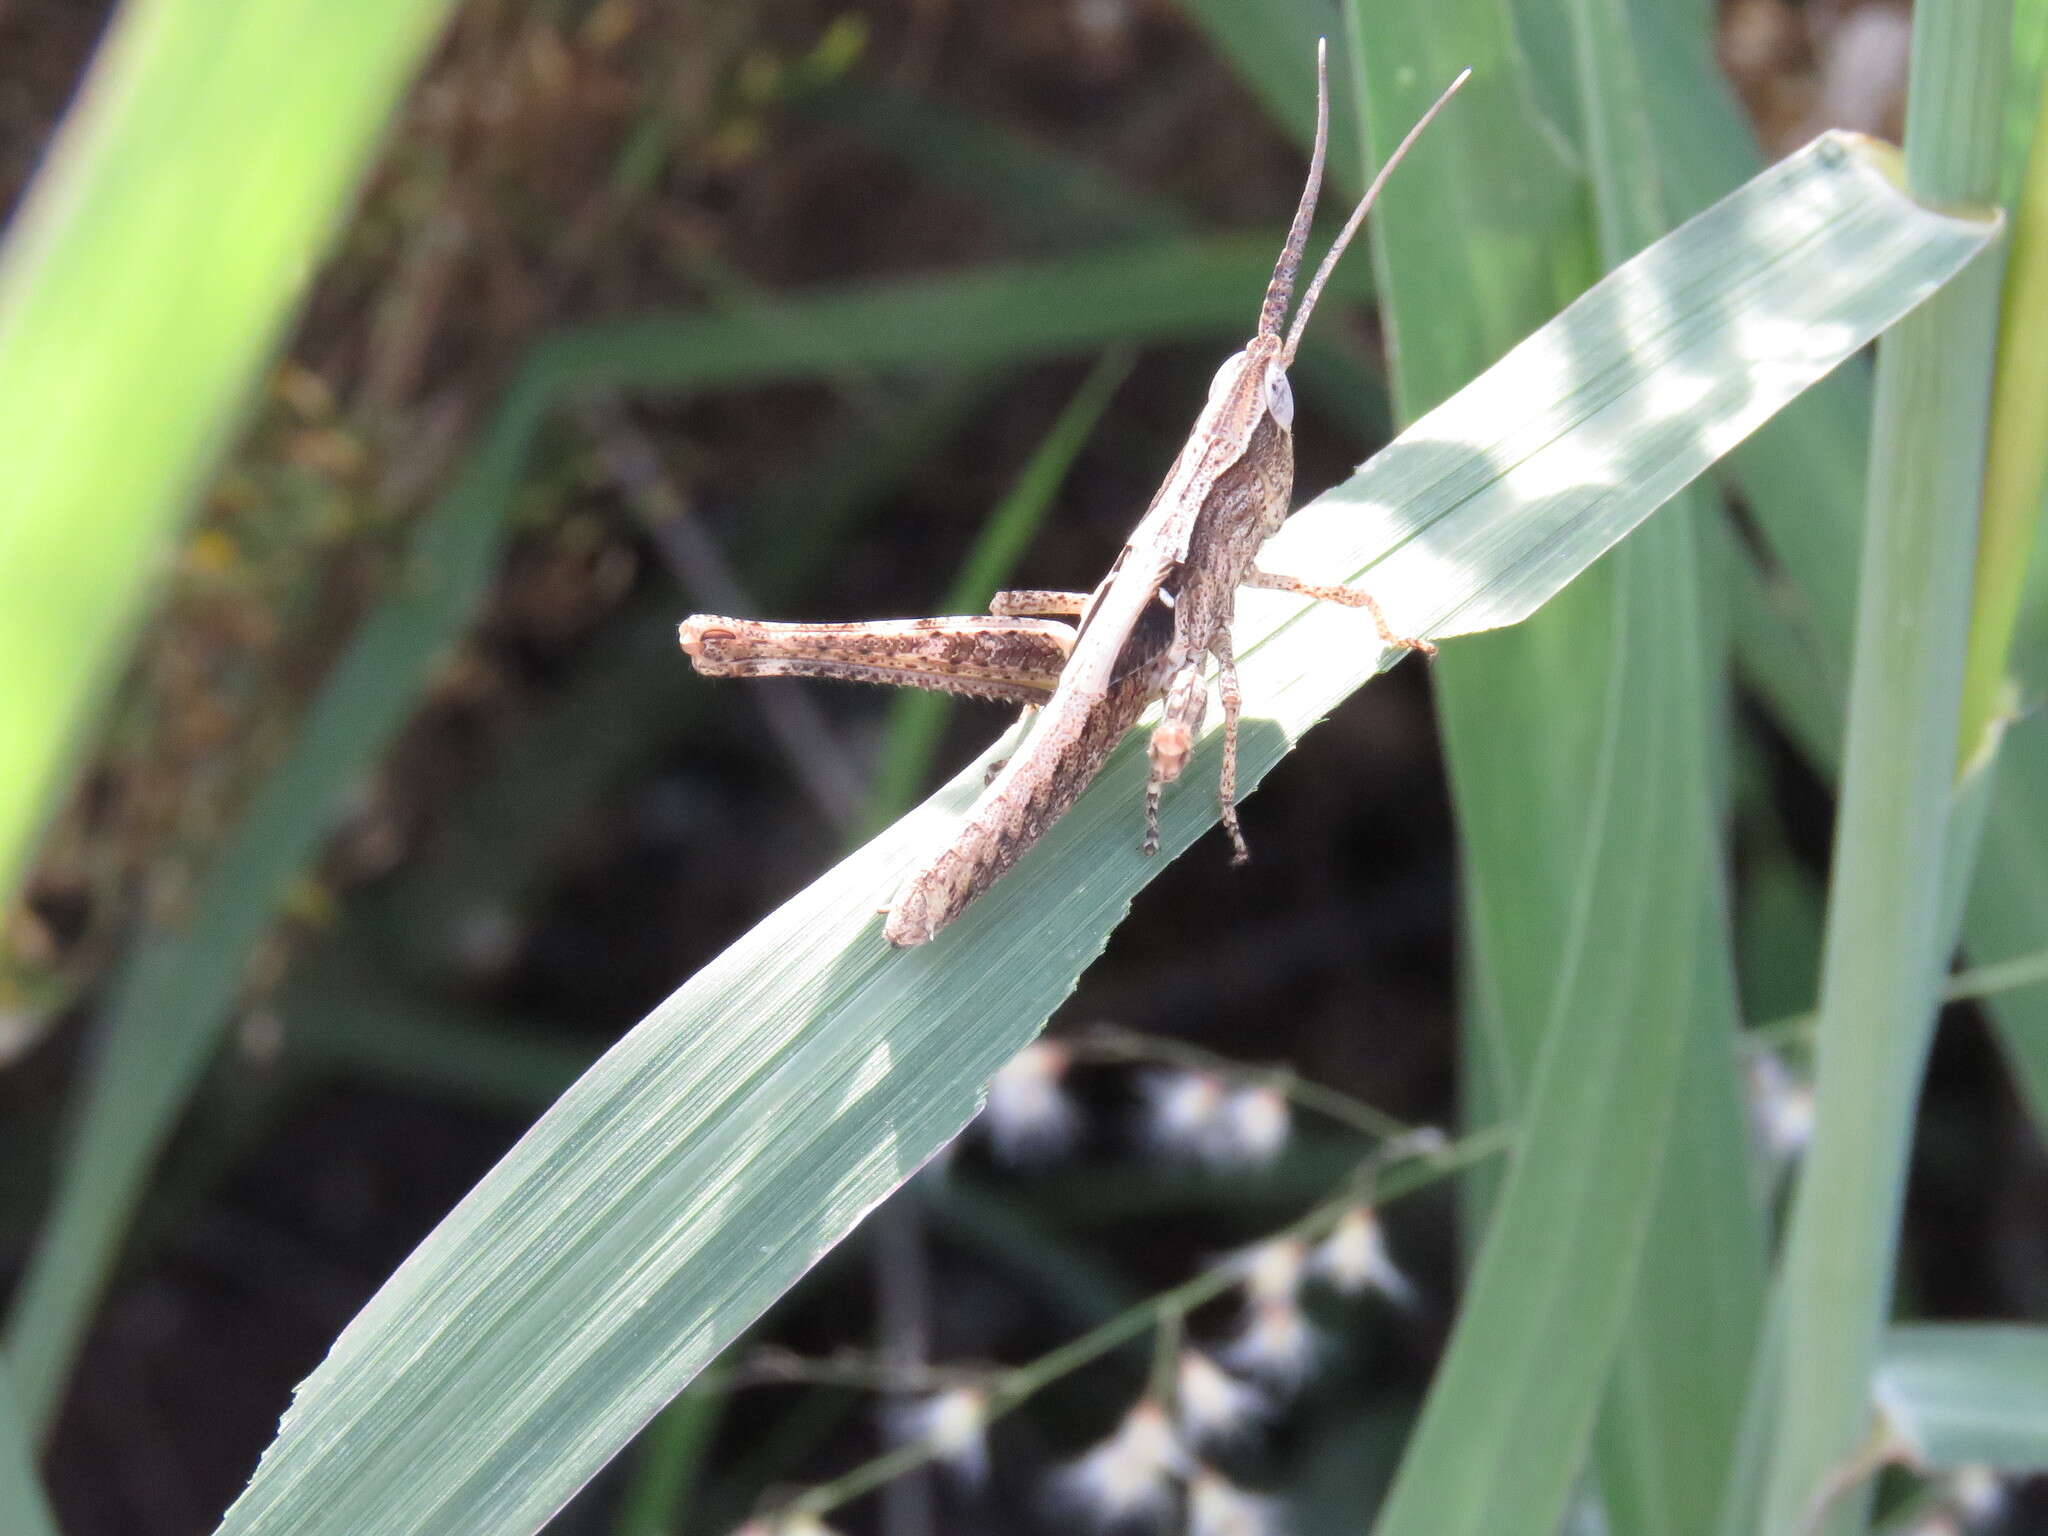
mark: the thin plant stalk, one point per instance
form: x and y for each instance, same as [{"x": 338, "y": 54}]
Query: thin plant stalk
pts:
[{"x": 1886, "y": 937}]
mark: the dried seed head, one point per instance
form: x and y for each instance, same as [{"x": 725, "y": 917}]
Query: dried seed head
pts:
[
  {"x": 1215, "y": 1408},
  {"x": 1258, "y": 1120},
  {"x": 1780, "y": 1106},
  {"x": 1130, "y": 1475},
  {"x": 1273, "y": 1270},
  {"x": 1276, "y": 1346},
  {"x": 954, "y": 1424},
  {"x": 1354, "y": 1258},
  {"x": 1182, "y": 1111},
  {"x": 1979, "y": 1494},
  {"x": 1217, "y": 1507},
  {"x": 1199, "y": 1115},
  {"x": 785, "y": 1525},
  {"x": 1028, "y": 1117}
]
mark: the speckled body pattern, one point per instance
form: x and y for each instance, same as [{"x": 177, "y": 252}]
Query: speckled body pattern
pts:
[{"x": 1226, "y": 494}]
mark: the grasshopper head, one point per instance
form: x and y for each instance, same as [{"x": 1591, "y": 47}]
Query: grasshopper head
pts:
[{"x": 1261, "y": 366}]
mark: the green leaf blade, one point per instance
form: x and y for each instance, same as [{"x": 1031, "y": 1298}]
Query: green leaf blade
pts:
[
  {"x": 1967, "y": 1394},
  {"x": 1890, "y": 926}
]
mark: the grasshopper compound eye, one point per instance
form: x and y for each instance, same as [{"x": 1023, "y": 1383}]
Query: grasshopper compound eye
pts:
[{"x": 1280, "y": 396}]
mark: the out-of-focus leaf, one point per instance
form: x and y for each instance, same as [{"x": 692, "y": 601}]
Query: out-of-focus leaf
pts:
[
  {"x": 23, "y": 1509},
  {"x": 177, "y": 215},
  {"x": 1968, "y": 1394}
]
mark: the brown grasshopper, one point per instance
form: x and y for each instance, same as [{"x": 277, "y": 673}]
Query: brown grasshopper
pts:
[{"x": 1144, "y": 633}]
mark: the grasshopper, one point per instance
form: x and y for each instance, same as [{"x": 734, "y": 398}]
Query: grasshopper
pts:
[{"x": 1145, "y": 632}]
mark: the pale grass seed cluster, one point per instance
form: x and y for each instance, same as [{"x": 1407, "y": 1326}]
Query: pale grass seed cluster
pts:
[
  {"x": 1157, "y": 1463},
  {"x": 1157, "y": 1467}
]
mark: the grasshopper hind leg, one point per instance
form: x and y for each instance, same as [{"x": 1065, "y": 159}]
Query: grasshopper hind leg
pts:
[{"x": 1032, "y": 602}]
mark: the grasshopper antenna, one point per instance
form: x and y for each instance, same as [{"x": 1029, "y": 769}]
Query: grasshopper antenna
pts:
[
  {"x": 1315, "y": 287},
  {"x": 1280, "y": 292}
]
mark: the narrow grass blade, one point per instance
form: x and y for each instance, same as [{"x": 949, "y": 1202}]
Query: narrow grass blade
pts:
[
  {"x": 1968, "y": 1394},
  {"x": 1668, "y": 1425},
  {"x": 1472, "y": 247},
  {"x": 722, "y": 1146},
  {"x": 172, "y": 994},
  {"x": 217, "y": 142},
  {"x": 2008, "y": 913},
  {"x": 2009, "y": 909},
  {"x": 24, "y": 1511},
  {"x": 1502, "y": 1437},
  {"x": 1887, "y": 938},
  {"x": 1150, "y": 291},
  {"x": 1670, "y": 1422},
  {"x": 2016, "y": 456}
]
